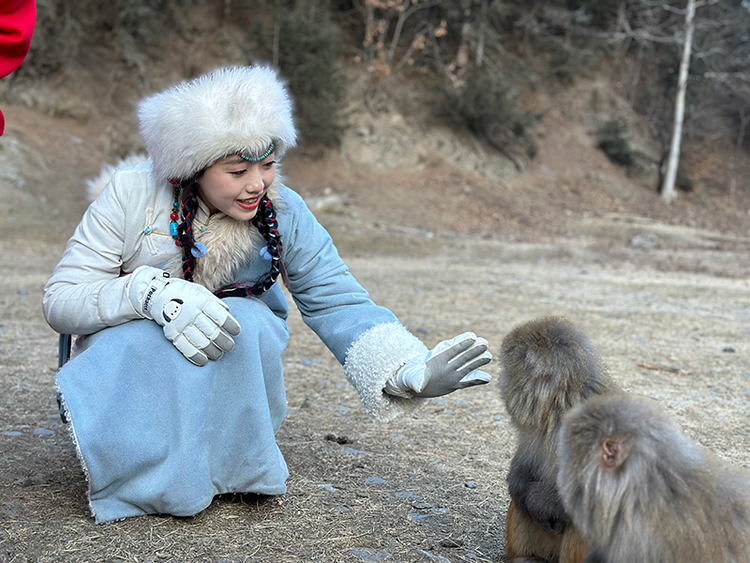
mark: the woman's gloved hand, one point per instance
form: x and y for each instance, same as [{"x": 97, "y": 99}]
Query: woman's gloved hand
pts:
[
  {"x": 452, "y": 364},
  {"x": 196, "y": 321}
]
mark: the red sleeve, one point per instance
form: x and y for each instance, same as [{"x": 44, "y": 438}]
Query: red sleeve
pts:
[{"x": 17, "y": 19}]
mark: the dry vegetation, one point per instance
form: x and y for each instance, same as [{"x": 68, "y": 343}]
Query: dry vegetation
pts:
[{"x": 444, "y": 231}]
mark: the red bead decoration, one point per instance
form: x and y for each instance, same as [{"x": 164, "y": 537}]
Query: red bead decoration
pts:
[{"x": 173, "y": 216}]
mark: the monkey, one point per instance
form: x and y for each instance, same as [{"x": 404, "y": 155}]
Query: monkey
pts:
[
  {"x": 547, "y": 366},
  {"x": 641, "y": 490}
]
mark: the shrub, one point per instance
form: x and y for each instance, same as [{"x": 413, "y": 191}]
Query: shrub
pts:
[
  {"x": 488, "y": 105},
  {"x": 66, "y": 30},
  {"x": 612, "y": 138},
  {"x": 309, "y": 53},
  {"x": 684, "y": 181}
]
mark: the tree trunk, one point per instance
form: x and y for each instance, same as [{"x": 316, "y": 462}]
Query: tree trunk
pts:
[
  {"x": 737, "y": 150},
  {"x": 668, "y": 193},
  {"x": 482, "y": 33},
  {"x": 462, "y": 55}
]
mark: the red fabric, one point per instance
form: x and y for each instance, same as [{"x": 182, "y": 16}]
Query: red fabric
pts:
[{"x": 17, "y": 19}]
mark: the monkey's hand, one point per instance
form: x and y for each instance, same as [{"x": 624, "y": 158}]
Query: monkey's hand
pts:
[
  {"x": 451, "y": 365},
  {"x": 553, "y": 525},
  {"x": 595, "y": 556},
  {"x": 536, "y": 497},
  {"x": 542, "y": 502}
]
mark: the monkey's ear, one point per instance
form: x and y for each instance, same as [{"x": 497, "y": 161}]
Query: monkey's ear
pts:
[{"x": 614, "y": 453}]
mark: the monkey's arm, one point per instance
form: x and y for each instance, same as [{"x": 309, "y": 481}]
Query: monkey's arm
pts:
[{"x": 537, "y": 497}]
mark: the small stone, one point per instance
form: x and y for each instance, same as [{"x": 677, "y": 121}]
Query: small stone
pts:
[
  {"x": 434, "y": 557},
  {"x": 330, "y": 488},
  {"x": 368, "y": 554},
  {"x": 338, "y": 439},
  {"x": 43, "y": 432},
  {"x": 327, "y": 204},
  {"x": 416, "y": 516},
  {"x": 645, "y": 241},
  {"x": 421, "y": 505}
]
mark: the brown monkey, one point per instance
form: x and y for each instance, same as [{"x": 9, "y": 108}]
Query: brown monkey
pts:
[
  {"x": 641, "y": 490},
  {"x": 548, "y": 366}
]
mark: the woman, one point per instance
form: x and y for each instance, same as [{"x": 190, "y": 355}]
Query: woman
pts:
[{"x": 177, "y": 260}]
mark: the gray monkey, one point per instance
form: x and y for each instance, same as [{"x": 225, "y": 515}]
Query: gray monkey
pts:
[{"x": 640, "y": 490}]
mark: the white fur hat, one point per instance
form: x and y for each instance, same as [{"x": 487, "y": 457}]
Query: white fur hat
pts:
[{"x": 193, "y": 124}]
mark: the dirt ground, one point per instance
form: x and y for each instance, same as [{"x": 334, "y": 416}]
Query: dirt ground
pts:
[{"x": 662, "y": 291}]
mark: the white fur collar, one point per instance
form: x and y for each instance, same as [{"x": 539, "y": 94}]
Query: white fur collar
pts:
[{"x": 229, "y": 244}]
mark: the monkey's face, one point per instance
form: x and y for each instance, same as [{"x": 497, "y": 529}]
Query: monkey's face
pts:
[{"x": 593, "y": 460}]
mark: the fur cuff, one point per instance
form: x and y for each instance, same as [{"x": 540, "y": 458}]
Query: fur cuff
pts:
[{"x": 372, "y": 359}]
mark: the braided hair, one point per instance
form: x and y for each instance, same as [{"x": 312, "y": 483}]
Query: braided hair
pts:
[
  {"x": 185, "y": 236},
  {"x": 264, "y": 220}
]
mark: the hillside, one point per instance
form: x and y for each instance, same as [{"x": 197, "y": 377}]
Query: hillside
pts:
[{"x": 401, "y": 169}]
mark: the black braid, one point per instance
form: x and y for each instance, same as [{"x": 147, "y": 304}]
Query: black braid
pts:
[
  {"x": 185, "y": 234},
  {"x": 265, "y": 222}
]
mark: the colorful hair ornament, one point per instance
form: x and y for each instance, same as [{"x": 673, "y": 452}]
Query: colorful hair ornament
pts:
[{"x": 258, "y": 158}]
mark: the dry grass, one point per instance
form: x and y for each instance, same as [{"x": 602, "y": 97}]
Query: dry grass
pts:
[{"x": 428, "y": 488}]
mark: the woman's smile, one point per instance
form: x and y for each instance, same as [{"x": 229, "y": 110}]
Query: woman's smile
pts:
[{"x": 248, "y": 204}]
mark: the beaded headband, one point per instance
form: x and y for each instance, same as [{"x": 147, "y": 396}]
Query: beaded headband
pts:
[
  {"x": 271, "y": 148},
  {"x": 258, "y": 158}
]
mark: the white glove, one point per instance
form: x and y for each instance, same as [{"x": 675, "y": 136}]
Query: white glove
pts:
[
  {"x": 196, "y": 321},
  {"x": 451, "y": 365}
]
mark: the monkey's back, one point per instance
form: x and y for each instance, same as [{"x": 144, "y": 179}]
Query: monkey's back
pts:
[
  {"x": 666, "y": 498},
  {"x": 705, "y": 518}
]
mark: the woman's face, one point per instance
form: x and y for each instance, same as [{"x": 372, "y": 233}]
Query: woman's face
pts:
[{"x": 234, "y": 186}]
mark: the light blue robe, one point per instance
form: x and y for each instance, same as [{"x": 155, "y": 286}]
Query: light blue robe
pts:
[{"x": 157, "y": 434}]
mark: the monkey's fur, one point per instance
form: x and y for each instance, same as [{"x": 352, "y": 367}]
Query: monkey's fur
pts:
[
  {"x": 548, "y": 366},
  {"x": 641, "y": 490}
]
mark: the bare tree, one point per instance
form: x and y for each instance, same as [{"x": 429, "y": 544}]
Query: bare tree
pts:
[
  {"x": 738, "y": 148},
  {"x": 390, "y": 45},
  {"x": 668, "y": 192}
]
